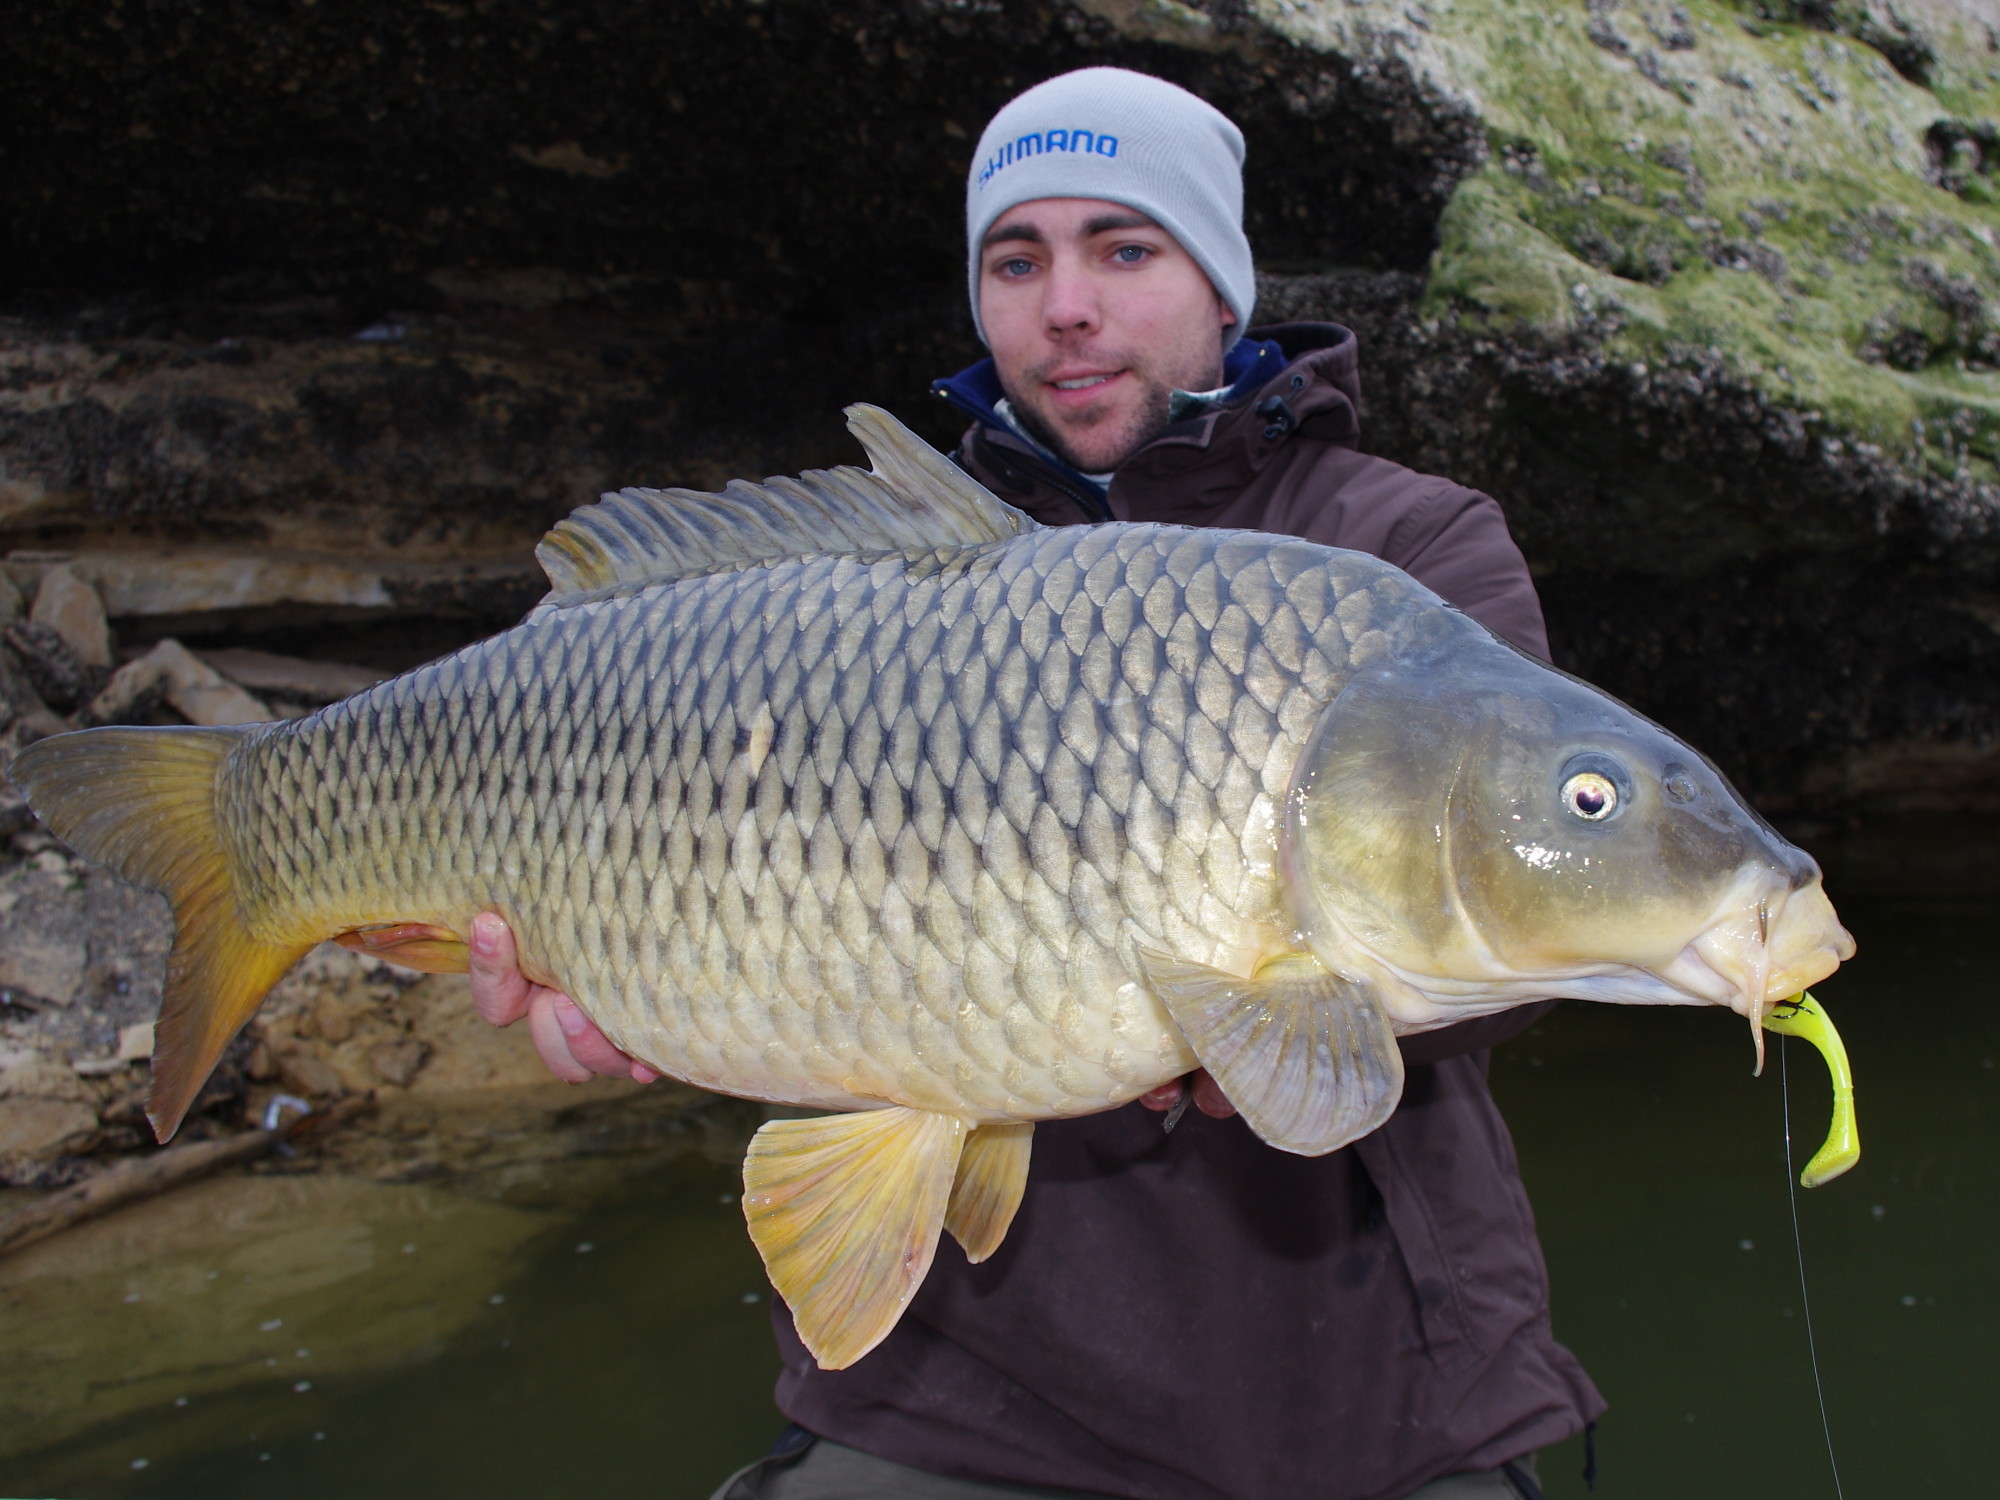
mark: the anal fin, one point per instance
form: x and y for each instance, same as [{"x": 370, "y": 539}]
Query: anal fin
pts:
[
  {"x": 1309, "y": 1059},
  {"x": 414, "y": 945},
  {"x": 845, "y": 1210},
  {"x": 992, "y": 1175}
]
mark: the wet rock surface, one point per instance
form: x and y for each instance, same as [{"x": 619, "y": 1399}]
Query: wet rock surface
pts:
[
  {"x": 317, "y": 321},
  {"x": 1706, "y": 294}
]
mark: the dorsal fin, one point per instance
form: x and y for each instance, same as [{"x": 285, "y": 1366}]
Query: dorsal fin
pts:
[{"x": 913, "y": 499}]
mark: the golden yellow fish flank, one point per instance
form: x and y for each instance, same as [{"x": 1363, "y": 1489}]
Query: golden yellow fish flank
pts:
[{"x": 860, "y": 791}]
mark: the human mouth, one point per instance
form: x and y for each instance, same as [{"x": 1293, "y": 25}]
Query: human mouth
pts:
[{"x": 1082, "y": 391}]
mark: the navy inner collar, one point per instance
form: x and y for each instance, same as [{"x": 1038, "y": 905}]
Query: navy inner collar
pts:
[{"x": 975, "y": 391}]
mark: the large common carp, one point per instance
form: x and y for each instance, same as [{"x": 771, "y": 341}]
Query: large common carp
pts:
[{"x": 866, "y": 793}]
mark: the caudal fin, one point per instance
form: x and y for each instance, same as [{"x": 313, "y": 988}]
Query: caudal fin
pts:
[{"x": 141, "y": 802}]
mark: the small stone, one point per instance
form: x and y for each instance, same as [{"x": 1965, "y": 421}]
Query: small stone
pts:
[
  {"x": 135, "y": 1042},
  {"x": 334, "y": 1015},
  {"x": 51, "y": 668},
  {"x": 398, "y": 1062},
  {"x": 304, "y": 1073},
  {"x": 134, "y": 691},
  {"x": 202, "y": 694},
  {"x": 290, "y": 676},
  {"x": 37, "y": 1129},
  {"x": 70, "y": 607},
  {"x": 47, "y": 966},
  {"x": 271, "y": 1325}
]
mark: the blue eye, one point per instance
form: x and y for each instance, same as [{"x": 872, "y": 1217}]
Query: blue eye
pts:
[{"x": 1131, "y": 255}]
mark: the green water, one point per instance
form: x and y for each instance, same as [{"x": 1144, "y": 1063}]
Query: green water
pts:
[
  {"x": 1657, "y": 1170},
  {"x": 639, "y": 1367}
]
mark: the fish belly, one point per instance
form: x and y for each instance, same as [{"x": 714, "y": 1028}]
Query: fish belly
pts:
[{"x": 848, "y": 831}]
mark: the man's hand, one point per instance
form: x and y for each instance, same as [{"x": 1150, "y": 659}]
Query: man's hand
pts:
[
  {"x": 568, "y": 1041},
  {"x": 1207, "y": 1096}
]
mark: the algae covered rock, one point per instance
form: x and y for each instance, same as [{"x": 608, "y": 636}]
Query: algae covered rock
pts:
[
  {"x": 318, "y": 318},
  {"x": 1718, "y": 318}
]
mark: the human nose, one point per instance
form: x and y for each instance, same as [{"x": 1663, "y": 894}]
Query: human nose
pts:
[{"x": 1069, "y": 302}]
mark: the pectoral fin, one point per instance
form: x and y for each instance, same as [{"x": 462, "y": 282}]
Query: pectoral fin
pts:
[
  {"x": 1308, "y": 1058},
  {"x": 845, "y": 1210},
  {"x": 992, "y": 1175}
]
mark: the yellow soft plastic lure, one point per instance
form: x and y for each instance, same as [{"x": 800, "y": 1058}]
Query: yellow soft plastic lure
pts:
[{"x": 1802, "y": 1016}]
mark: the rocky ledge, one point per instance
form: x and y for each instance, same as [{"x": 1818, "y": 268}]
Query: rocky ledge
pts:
[{"x": 317, "y": 318}]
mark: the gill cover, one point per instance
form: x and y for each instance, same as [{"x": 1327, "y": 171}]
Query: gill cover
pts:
[{"x": 1489, "y": 829}]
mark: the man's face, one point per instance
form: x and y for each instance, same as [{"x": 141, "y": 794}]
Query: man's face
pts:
[{"x": 1095, "y": 315}]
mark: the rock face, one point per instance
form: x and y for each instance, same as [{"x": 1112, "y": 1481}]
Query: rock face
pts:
[{"x": 333, "y": 312}]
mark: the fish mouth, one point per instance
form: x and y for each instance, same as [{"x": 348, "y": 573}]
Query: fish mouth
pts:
[{"x": 1764, "y": 951}]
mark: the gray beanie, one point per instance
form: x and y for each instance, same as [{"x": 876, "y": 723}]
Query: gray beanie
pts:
[{"x": 1127, "y": 138}]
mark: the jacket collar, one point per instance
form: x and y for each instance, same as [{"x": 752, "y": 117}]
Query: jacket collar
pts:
[{"x": 976, "y": 391}]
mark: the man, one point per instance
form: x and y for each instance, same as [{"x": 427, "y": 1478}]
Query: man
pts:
[{"x": 1188, "y": 1314}]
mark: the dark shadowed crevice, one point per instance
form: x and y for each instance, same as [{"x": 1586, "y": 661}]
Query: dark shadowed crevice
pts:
[{"x": 802, "y": 149}]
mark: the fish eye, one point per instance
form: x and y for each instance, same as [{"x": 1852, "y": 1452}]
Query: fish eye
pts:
[
  {"x": 1590, "y": 796},
  {"x": 1594, "y": 787}
]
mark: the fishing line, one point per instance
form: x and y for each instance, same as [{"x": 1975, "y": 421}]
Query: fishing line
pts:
[{"x": 1799, "y": 1248}]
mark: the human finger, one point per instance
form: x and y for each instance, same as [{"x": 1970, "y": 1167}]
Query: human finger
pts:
[
  {"x": 500, "y": 991},
  {"x": 1209, "y": 1098},
  {"x": 1165, "y": 1097},
  {"x": 551, "y": 1041},
  {"x": 588, "y": 1045}
]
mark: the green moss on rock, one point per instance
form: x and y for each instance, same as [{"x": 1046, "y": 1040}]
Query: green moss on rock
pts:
[{"x": 1773, "y": 185}]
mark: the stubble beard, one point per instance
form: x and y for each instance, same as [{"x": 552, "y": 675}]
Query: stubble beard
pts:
[
  {"x": 1113, "y": 446},
  {"x": 1118, "y": 434}
]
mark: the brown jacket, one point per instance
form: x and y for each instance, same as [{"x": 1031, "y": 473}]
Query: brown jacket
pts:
[{"x": 1197, "y": 1316}]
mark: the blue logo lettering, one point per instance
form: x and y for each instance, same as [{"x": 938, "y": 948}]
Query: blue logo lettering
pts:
[{"x": 1040, "y": 142}]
